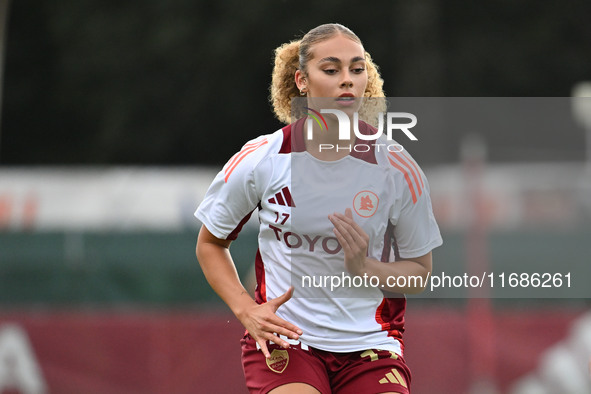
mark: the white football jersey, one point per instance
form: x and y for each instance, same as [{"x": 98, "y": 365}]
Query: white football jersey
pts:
[{"x": 295, "y": 192}]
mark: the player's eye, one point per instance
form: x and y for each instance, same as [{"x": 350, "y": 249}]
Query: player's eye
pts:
[
  {"x": 330, "y": 71},
  {"x": 358, "y": 70}
]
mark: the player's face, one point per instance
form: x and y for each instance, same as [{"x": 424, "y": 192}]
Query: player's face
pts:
[{"x": 337, "y": 70}]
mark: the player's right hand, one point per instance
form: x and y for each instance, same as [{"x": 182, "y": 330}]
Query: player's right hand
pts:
[{"x": 264, "y": 325}]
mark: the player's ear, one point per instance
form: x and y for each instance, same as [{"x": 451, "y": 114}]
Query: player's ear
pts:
[{"x": 300, "y": 80}]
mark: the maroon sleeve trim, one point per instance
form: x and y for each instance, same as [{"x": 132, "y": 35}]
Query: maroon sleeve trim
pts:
[{"x": 234, "y": 234}]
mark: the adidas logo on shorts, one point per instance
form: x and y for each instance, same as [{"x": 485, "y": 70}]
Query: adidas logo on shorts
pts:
[{"x": 393, "y": 377}]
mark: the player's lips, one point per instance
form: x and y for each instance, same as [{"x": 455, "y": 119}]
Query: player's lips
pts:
[{"x": 346, "y": 99}]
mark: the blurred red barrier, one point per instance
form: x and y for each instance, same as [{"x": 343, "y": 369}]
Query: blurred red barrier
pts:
[
  {"x": 134, "y": 352},
  {"x": 196, "y": 351}
]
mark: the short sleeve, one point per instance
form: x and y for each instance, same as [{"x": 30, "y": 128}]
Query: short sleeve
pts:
[
  {"x": 415, "y": 230},
  {"x": 232, "y": 196}
]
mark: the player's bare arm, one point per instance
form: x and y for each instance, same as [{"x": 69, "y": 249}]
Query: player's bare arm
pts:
[
  {"x": 355, "y": 240},
  {"x": 259, "y": 319}
]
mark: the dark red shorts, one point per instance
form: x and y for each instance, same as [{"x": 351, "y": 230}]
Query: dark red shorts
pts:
[{"x": 369, "y": 371}]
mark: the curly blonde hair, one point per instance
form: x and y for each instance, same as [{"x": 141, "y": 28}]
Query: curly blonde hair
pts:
[{"x": 296, "y": 54}]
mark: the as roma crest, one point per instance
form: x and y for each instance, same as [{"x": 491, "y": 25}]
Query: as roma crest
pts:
[
  {"x": 366, "y": 203},
  {"x": 278, "y": 360}
]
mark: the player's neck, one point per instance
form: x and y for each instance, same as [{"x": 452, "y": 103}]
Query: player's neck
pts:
[{"x": 326, "y": 145}]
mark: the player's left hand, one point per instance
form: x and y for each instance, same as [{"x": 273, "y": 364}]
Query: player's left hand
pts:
[{"x": 353, "y": 239}]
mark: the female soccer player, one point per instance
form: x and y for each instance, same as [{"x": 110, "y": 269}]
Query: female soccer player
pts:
[{"x": 347, "y": 221}]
